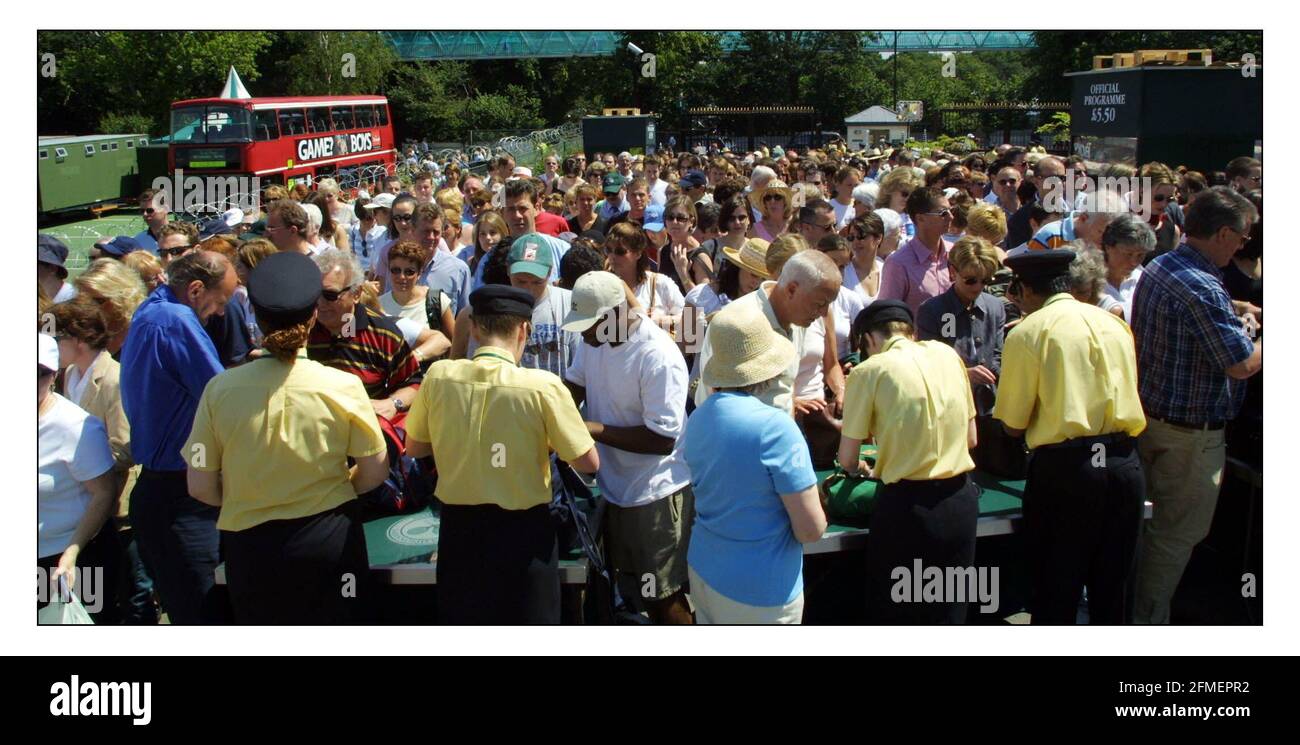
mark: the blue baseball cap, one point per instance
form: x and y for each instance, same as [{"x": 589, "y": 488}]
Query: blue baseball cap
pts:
[
  {"x": 120, "y": 246},
  {"x": 693, "y": 180},
  {"x": 653, "y": 218}
]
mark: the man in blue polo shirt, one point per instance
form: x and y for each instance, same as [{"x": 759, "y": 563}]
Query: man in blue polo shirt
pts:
[
  {"x": 154, "y": 212},
  {"x": 1194, "y": 356},
  {"x": 169, "y": 360},
  {"x": 443, "y": 272}
]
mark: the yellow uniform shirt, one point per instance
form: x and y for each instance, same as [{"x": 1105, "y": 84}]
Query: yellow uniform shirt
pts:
[
  {"x": 914, "y": 398},
  {"x": 1069, "y": 370},
  {"x": 280, "y": 434},
  {"x": 492, "y": 425}
]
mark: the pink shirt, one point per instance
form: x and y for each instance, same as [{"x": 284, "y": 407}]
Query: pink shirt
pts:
[{"x": 912, "y": 274}]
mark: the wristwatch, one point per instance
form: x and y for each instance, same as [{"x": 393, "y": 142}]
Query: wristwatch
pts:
[{"x": 397, "y": 404}]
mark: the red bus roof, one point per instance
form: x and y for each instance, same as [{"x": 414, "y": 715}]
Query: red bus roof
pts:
[{"x": 277, "y": 101}]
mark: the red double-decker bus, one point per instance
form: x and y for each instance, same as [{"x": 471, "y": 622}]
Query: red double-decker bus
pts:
[{"x": 281, "y": 139}]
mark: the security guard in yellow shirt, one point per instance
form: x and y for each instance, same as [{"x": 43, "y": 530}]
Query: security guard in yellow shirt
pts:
[
  {"x": 490, "y": 426},
  {"x": 915, "y": 399},
  {"x": 1069, "y": 384},
  {"x": 270, "y": 446}
]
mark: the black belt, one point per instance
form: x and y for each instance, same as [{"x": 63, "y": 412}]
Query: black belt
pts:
[
  {"x": 1085, "y": 442},
  {"x": 1208, "y": 426}
]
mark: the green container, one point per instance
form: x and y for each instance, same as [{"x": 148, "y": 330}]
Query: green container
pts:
[{"x": 81, "y": 172}]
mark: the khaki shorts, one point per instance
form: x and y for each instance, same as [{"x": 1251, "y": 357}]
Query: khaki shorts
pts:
[{"x": 649, "y": 543}]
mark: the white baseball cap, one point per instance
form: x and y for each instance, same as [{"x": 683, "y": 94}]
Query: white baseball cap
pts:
[
  {"x": 521, "y": 172},
  {"x": 383, "y": 199},
  {"x": 594, "y": 295},
  {"x": 47, "y": 352}
]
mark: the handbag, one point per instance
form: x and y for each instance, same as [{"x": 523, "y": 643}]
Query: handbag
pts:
[{"x": 849, "y": 499}]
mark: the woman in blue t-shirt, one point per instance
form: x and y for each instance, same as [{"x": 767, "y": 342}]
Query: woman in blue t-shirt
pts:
[{"x": 755, "y": 490}]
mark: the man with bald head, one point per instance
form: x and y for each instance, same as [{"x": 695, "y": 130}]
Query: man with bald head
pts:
[
  {"x": 809, "y": 283},
  {"x": 171, "y": 359}
]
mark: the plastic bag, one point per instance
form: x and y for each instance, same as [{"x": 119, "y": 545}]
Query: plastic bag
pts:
[{"x": 65, "y": 609}]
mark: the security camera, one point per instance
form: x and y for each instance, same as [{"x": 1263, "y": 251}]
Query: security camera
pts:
[{"x": 634, "y": 49}]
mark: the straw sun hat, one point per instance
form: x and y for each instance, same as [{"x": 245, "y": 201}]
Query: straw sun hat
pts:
[
  {"x": 752, "y": 256},
  {"x": 746, "y": 350}
]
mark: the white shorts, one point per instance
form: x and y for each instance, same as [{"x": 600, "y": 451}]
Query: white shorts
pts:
[{"x": 712, "y": 607}]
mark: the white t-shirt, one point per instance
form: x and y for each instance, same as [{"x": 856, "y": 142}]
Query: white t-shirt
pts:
[
  {"x": 844, "y": 213},
  {"x": 1122, "y": 296},
  {"x": 72, "y": 447},
  {"x": 414, "y": 311},
  {"x": 659, "y": 192},
  {"x": 854, "y": 283},
  {"x": 65, "y": 293},
  {"x": 667, "y": 299},
  {"x": 410, "y": 331},
  {"x": 848, "y": 304},
  {"x": 640, "y": 382},
  {"x": 809, "y": 382}
]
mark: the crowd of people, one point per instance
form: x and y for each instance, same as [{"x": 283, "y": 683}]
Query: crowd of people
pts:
[{"x": 700, "y": 331}]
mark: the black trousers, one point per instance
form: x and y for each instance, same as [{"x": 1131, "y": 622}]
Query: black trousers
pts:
[
  {"x": 306, "y": 571},
  {"x": 179, "y": 545},
  {"x": 1082, "y": 515},
  {"x": 102, "y": 556},
  {"x": 930, "y": 521},
  {"x": 497, "y": 566}
]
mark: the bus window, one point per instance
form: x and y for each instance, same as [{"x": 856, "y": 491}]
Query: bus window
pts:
[
  {"x": 211, "y": 124},
  {"x": 265, "y": 126},
  {"x": 383, "y": 114},
  {"x": 365, "y": 117},
  {"x": 291, "y": 122},
  {"x": 342, "y": 117},
  {"x": 318, "y": 119}
]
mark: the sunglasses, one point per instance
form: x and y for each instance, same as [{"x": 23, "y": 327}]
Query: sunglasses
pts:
[
  {"x": 972, "y": 281},
  {"x": 773, "y": 198},
  {"x": 741, "y": 217},
  {"x": 408, "y": 272},
  {"x": 1008, "y": 181},
  {"x": 1160, "y": 198},
  {"x": 333, "y": 295},
  {"x": 147, "y": 211},
  {"x": 618, "y": 250},
  {"x": 677, "y": 218},
  {"x": 173, "y": 252},
  {"x": 405, "y": 218},
  {"x": 940, "y": 213}
]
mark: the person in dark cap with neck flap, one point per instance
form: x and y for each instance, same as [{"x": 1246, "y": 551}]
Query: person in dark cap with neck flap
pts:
[
  {"x": 490, "y": 426},
  {"x": 270, "y": 446},
  {"x": 51, "y": 274},
  {"x": 914, "y": 398},
  {"x": 1069, "y": 385}
]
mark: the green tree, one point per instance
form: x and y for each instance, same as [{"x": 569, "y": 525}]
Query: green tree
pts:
[
  {"x": 141, "y": 72},
  {"x": 317, "y": 62}
]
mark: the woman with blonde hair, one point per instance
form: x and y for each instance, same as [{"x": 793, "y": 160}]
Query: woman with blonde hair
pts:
[
  {"x": 119, "y": 291},
  {"x": 773, "y": 203},
  {"x": 895, "y": 188},
  {"x": 988, "y": 222},
  {"x": 148, "y": 267},
  {"x": 489, "y": 228}
]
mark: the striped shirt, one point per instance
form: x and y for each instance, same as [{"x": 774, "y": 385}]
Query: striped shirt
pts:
[
  {"x": 1187, "y": 336},
  {"x": 1053, "y": 235},
  {"x": 375, "y": 351}
]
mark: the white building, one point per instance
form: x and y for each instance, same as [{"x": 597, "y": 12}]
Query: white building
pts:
[{"x": 867, "y": 128}]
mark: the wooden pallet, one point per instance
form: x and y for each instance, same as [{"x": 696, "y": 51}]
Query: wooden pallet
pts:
[
  {"x": 1153, "y": 56},
  {"x": 621, "y": 112}
]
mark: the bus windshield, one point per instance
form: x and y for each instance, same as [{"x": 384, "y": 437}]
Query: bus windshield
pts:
[{"x": 210, "y": 124}]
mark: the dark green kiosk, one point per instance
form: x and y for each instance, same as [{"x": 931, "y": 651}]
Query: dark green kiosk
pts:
[{"x": 1197, "y": 116}]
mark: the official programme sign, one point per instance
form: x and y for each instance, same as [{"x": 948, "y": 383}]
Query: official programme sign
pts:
[
  {"x": 1106, "y": 104},
  {"x": 316, "y": 148}
]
